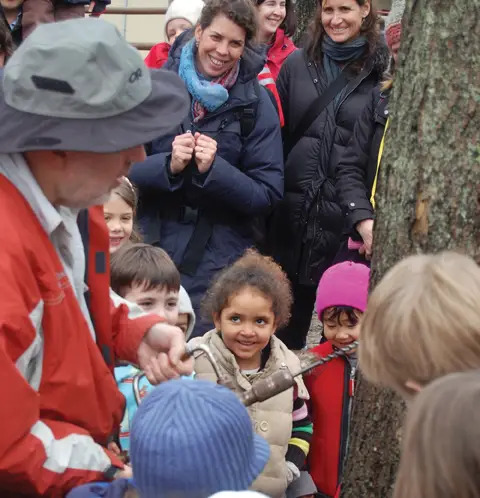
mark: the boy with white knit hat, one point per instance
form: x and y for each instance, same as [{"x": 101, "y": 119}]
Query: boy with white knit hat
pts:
[{"x": 181, "y": 15}]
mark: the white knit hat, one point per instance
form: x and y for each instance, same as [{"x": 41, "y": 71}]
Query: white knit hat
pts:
[{"x": 184, "y": 9}]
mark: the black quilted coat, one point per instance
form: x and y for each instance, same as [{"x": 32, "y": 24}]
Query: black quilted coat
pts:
[{"x": 307, "y": 225}]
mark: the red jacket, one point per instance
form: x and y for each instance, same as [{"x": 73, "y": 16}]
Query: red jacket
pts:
[
  {"x": 331, "y": 389},
  {"x": 282, "y": 47},
  {"x": 265, "y": 78},
  {"x": 59, "y": 401},
  {"x": 158, "y": 55}
]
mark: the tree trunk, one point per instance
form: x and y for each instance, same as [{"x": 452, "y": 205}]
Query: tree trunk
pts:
[
  {"x": 428, "y": 195},
  {"x": 305, "y": 10}
]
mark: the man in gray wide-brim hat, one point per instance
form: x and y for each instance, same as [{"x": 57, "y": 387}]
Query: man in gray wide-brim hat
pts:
[{"x": 76, "y": 105}]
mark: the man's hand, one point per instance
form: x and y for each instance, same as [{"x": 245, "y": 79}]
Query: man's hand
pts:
[
  {"x": 205, "y": 152},
  {"x": 125, "y": 473},
  {"x": 161, "y": 354},
  {"x": 182, "y": 152},
  {"x": 113, "y": 447},
  {"x": 365, "y": 229}
]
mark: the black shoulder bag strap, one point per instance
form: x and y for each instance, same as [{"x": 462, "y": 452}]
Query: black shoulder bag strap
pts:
[
  {"x": 319, "y": 105},
  {"x": 316, "y": 108}
]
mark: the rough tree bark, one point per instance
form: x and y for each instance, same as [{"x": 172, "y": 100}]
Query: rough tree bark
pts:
[
  {"x": 428, "y": 194},
  {"x": 305, "y": 10}
]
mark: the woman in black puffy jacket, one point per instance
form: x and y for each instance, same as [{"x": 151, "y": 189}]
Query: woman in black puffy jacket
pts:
[
  {"x": 307, "y": 225},
  {"x": 358, "y": 167}
]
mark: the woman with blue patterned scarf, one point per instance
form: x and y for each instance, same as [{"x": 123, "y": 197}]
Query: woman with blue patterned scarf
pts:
[{"x": 202, "y": 188}]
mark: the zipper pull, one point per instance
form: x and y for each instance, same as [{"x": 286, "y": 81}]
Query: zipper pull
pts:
[{"x": 351, "y": 383}]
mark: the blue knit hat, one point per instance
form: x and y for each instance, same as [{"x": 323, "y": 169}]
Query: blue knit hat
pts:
[{"x": 193, "y": 439}]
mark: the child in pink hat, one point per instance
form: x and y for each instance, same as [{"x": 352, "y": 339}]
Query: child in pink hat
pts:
[{"x": 341, "y": 301}]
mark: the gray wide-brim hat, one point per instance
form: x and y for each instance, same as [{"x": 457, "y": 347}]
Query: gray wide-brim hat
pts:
[{"x": 78, "y": 85}]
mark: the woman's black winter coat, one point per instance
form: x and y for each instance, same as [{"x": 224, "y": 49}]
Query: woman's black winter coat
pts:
[
  {"x": 357, "y": 167},
  {"x": 307, "y": 225}
]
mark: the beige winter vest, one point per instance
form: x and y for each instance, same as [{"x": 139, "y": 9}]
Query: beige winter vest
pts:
[{"x": 272, "y": 419}]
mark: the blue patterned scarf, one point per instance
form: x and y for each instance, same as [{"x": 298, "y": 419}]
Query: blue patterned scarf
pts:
[{"x": 207, "y": 95}]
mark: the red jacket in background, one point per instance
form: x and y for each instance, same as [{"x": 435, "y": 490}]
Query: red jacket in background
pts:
[
  {"x": 331, "y": 391},
  {"x": 282, "y": 47},
  {"x": 157, "y": 56},
  {"x": 59, "y": 401},
  {"x": 265, "y": 78}
]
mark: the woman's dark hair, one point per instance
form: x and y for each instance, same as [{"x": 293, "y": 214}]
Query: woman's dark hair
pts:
[
  {"x": 256, "y": 271},
  {"x": 6, "y": 44},
  {"x": 289, "y": 24},
  {"x": 240, "y": 12},
  {"x": 316, "y": 32},
  {"x": 339, "y": 314}
]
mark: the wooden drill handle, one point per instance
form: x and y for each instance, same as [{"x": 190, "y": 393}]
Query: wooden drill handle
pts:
[{"x": 267, "y": 388}]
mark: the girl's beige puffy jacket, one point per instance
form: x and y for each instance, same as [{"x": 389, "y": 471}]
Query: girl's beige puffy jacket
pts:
[{"x": 272, "y": 419}]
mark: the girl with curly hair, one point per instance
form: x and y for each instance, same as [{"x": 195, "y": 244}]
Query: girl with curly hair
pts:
[{"x": 248, "y": 301}]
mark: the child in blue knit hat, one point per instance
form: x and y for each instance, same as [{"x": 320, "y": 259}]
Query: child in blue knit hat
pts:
[
  {"x": 188, "y": 440},
  {"x": 248, "y": 302}
]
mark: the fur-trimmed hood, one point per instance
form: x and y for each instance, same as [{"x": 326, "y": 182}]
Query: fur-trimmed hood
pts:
[{"x": 380, "y": 58}]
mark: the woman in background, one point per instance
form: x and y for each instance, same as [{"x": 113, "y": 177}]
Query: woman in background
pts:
[
  {"x": 323, "y": 89},
  {"x": 223, "y": 167},
  {"x": 359, "y": 165},
  {"x": 276, "y": 24}
]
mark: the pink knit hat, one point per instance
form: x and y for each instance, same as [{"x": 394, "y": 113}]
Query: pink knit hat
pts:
[{"x": 345, "y": 284}]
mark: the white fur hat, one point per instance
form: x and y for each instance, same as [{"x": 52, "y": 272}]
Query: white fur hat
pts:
[{"x": 184, "y": 9}]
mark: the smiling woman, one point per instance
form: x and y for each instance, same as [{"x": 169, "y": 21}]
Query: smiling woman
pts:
[
  {"x": 201, "y": 187},
  {"x": 342, "y": 21},
  {"x": 221, "y": 36},
  {"x": 343, "y": 59},
  {"x": 276, "y": 23},
  {"x": 219, "y": 46}
]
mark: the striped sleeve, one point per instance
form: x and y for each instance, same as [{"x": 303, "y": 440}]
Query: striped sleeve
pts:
[
  {"x": 129, "y": 326},
  {"x": 302, "y": 429},
  {"x": 265, "y": 78},
  {"x": 39, "y": 456}
]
